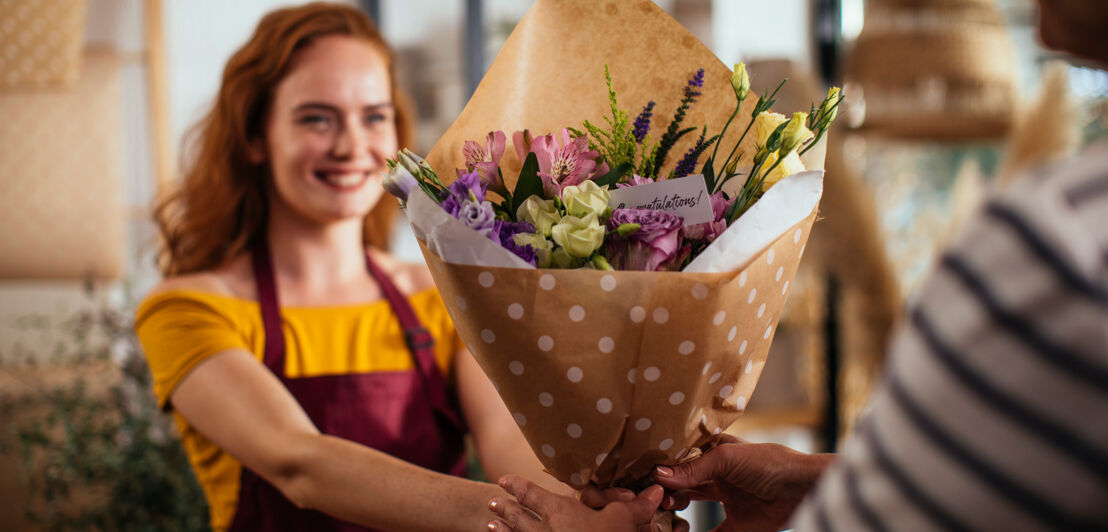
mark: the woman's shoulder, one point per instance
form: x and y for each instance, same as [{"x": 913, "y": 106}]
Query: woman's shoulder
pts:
[
  {"x": 410, "y": 277},
  {"x": 233, "y": 281}
]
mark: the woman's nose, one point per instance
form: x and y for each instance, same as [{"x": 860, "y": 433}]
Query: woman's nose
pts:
[{"x": 351, "y": 141}]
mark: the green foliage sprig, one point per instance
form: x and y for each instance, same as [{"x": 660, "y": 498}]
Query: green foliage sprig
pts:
[{"x": 103, "y": 460}]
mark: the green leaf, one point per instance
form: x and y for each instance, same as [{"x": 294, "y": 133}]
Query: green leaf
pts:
[
  {"x": 709, "y": 174},
  {"x": 613, "y": 176},
  {"x": 528, "y": 184}
]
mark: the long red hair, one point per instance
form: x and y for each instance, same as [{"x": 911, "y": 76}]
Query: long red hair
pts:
[{"x": 219, "y": 209}]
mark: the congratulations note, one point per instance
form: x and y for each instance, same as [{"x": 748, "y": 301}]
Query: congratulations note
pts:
[{"x": 686, "y": 197}]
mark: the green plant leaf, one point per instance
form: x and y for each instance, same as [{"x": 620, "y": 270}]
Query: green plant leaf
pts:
[
  {"x": 709, "y": 172},
  {"x": 528, "y": 184},
  {"x": 613, "y": 176}
]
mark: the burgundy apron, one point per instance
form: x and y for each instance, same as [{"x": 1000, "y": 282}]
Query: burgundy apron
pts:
[{"x": 408, "y": 414}]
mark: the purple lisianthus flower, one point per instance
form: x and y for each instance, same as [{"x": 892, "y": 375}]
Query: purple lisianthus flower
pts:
[
  {"x": 399, "y": 181},
  {"x": 506, "y": 230},
  {"x": 459, "y": 192},
  {"x": 653, "y": 244},
  {"x": 478, "y": 216},
  {"x": 504, "y": 233},
  {"x": 709, "y": 231}
]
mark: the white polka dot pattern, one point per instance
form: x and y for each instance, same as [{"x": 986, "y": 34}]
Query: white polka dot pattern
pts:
[
  {"x": 590, "y": 358},
  {"x": 604, "y": 405}
]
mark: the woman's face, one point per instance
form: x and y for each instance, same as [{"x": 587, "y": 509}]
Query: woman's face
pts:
[{"x": 330, "y": 127}]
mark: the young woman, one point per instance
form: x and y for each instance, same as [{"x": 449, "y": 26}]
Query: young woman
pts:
[{"x": 316, "y": 381}]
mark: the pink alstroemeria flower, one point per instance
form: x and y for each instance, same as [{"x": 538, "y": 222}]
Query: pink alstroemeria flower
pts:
[
  {"x": 486, "y": 160},
  {"x": 563, "y": 161},
  {"x": 634, "y": 181}
]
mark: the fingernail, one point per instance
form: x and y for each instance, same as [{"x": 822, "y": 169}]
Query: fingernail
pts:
[
  {"x": 670, "y": 501},
  {"x": 493, "y": 527},
  {"x": 502, "y": 482},
  {"x": 493, "y": 505},
  {"x": 663, "y": 471},
  {"x": 626, "y": 496}
]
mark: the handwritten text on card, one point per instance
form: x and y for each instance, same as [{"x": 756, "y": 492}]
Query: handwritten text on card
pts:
[{"x": 686, "y": 197}]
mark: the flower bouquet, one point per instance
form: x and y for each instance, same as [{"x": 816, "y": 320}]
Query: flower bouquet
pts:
[{"x": 622, "y": 303}]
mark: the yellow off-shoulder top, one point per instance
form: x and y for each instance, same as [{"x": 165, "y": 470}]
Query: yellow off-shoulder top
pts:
[{"x": 179, "y": 329}]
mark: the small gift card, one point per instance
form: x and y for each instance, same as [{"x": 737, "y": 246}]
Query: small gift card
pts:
[{"x": 686, "y": 197}]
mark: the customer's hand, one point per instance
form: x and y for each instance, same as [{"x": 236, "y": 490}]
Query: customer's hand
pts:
[
  {"x": 759, "y": 484},
  {"x": 535, "y": 509}
]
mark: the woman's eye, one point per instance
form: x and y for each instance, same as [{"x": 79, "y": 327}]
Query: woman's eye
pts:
[
  {"x": 315, "y": 121},
  {"x": 376, "y": 118}
]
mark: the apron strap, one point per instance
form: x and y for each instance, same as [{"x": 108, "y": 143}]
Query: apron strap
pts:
[
  {"x": 271, "y": 308},
  {"x": 419, "y": 340},
  {"x": 420, "y": 344}
]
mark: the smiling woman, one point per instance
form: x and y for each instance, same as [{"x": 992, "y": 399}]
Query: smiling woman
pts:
[{"x": 316, "y": 382}]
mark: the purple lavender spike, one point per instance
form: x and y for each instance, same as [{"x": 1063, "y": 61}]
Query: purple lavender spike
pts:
[
  {"x": 697, "y": 81},
  {"x": 687, "y": 163},
  {"x": 642, "y": 123}
]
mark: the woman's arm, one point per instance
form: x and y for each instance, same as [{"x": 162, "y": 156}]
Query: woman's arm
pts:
[
  {"x": 239, "y": 405},
  {"x": 500, "y": 444}
]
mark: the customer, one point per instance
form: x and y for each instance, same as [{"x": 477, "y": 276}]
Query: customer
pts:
[
  {"x": 316, "y": 382},
  {"x": 994, "y": 411}
]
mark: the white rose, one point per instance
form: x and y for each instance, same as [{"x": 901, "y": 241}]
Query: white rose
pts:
[
  {"x": 585, "y": 199},
  {"x": 538, "y": 212},
  {"x": 580, "y": 237}
]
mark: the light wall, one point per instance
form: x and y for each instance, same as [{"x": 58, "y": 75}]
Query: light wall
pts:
[{"x": 745, "y": 30}]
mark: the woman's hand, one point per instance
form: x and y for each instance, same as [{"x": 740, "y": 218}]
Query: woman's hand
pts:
[{"x": 535, "y": 509}]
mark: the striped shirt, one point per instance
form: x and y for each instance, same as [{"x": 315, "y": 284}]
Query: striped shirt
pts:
[{"x": 993, "y": 414}]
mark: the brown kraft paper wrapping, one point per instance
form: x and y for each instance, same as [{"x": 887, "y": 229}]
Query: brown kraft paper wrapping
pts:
[{"x": 610, "y": 373}]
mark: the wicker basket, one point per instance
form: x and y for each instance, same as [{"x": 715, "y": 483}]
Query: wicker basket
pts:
[
  {"x": 933, "y": 70},
  {"x": 41, "y": 42}
]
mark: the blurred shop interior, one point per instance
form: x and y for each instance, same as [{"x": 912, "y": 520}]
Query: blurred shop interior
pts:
[{"x": 946, "y": 101}]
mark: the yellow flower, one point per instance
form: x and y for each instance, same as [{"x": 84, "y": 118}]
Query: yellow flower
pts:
[
  {"x": 580, "y": 237},
  {"x": 790, "y": 165},
  {"x": 796, "y": 133},
  {"x": 829, "y": 110},
  {"x": 585, "y": 199},
  {"x": 538, "y": 212},
  {"x": 740, "y": 81},
  {"x": 764, "y": 125}
]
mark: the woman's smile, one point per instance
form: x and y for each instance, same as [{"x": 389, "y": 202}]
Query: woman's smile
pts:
[{"x": 344, "y": 179}]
